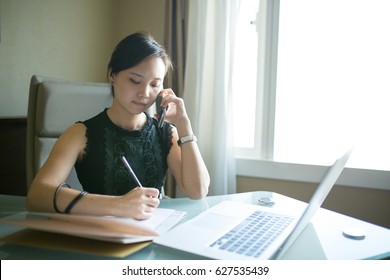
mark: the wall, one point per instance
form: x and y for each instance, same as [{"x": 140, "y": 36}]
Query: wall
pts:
[
  {"x": 141, "y": 15},
  {"x": 70, "y": 39},
  {"x": 366, "y": 204}
]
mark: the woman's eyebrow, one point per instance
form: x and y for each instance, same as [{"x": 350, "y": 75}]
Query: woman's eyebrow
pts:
[
  {"x": 141, "y": 76},
  {"x": 136, "y": 74}
]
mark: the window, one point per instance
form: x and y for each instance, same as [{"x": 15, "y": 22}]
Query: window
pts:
[{"x": 322, "y": 82}]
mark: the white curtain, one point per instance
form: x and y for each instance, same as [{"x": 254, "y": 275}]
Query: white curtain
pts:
[{"x": 207, "y": 86}]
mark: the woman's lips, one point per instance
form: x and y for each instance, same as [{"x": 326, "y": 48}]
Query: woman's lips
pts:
[{"x": 140, "y": 105}]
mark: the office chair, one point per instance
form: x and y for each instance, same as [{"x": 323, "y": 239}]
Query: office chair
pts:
[{"x": 53, "y": 106}]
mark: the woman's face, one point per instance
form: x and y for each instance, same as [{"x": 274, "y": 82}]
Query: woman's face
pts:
[{"x": 136, "y": 88}]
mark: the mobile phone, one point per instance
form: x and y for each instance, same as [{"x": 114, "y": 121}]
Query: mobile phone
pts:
[{"x": 161, "y": 111}]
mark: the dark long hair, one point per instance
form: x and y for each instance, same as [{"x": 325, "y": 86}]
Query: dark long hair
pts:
[{"x": 133, "y": 49}]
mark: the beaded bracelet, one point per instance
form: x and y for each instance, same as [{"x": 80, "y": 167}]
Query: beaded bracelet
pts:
[{"x": 55, "y": 195}]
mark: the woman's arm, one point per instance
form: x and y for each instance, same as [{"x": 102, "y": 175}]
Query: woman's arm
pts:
[
  {"x": 188, "y": 168},
  {"x": 185, "y": 161},
  {"x": 138, "y": 203}
]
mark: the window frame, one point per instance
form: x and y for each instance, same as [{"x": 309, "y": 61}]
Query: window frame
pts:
[{"x": 258, "y": 161}]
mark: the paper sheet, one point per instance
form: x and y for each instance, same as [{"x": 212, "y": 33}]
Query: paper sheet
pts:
[{"x": 112, "y": 229}]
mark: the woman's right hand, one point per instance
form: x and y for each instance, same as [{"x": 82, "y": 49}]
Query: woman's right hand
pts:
[{"x": 139, "y": 203}]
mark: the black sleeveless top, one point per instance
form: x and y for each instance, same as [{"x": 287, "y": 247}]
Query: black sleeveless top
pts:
[{"x": 102, "y": 171}]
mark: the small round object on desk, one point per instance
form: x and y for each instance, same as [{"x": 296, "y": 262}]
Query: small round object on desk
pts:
[
  {"x": 267, "y": 201},
  {"x": 354, "y": 233}
]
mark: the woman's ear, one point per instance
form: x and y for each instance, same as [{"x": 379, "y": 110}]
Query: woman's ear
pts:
[{"x": 111, "y": 76}]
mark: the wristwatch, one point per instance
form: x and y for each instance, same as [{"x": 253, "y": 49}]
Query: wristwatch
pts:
[{"x": 185, "y": 139}]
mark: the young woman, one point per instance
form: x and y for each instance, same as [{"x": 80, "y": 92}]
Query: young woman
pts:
[{"x": 136, "y": 73}]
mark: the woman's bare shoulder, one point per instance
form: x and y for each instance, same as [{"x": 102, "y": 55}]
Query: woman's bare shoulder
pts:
[
  {"x": 74, "y": 135},
  {"x": 75, "y": 130}
]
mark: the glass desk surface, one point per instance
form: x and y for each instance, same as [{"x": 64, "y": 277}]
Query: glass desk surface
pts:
[{"x": 322, "y": 239}]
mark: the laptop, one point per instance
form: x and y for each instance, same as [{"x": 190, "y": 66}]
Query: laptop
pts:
[{"x": 233, "y": 230}]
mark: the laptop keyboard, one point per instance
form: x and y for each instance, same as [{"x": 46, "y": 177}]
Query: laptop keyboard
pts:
[{"x": 253, "y": 235}]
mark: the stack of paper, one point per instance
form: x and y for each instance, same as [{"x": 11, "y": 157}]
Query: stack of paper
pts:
[{"x": 107, "y": 228}]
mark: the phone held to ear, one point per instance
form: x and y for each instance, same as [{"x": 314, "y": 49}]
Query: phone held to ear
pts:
[{"x": 161, "y": 111}]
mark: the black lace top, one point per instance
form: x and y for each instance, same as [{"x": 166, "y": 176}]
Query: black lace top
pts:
[{"x": 101, "y": 169}]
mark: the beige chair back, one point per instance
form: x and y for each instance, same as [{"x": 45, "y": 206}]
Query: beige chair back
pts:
[{"x": 53, "y": 106}]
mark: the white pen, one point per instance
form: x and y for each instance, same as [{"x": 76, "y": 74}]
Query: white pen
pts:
[{"x": 131, "y": 171}]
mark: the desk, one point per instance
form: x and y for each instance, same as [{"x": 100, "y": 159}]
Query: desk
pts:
[{"x": 322, "y": 239}]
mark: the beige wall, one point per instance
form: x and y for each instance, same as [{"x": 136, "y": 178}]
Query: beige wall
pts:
[
  {"x": 366, "y": 204},
  {"x": 141, "y": 15},
  {"x": 70, "y": 39}
]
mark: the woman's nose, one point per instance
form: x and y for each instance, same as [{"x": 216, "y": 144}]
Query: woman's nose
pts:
[{"x": 144, "y": 91}]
